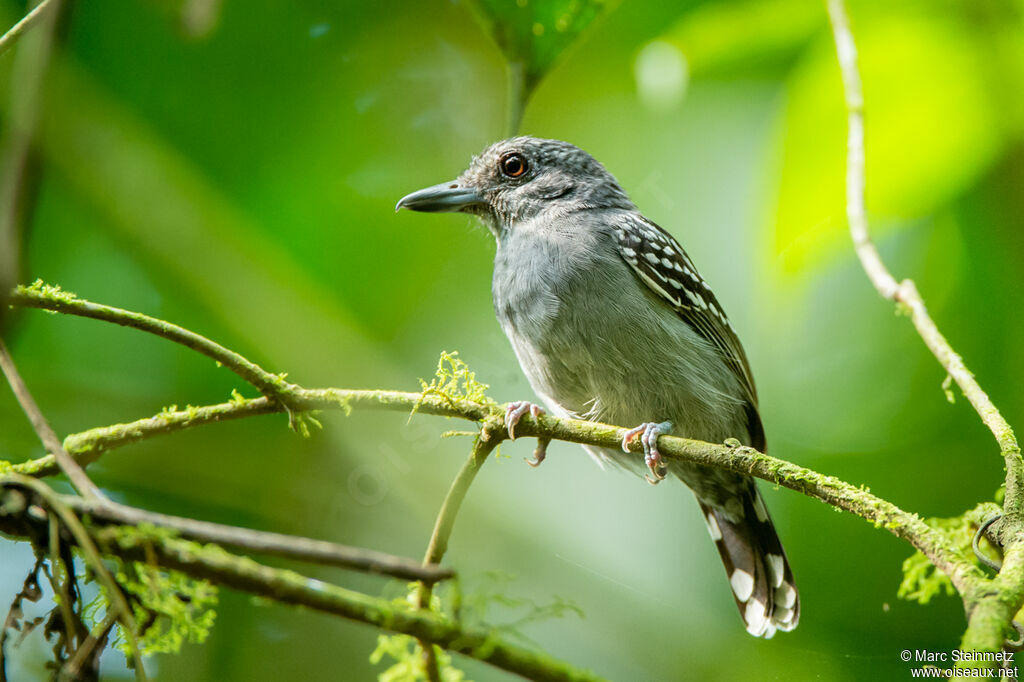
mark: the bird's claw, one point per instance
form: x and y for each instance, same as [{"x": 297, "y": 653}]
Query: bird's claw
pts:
[
  {"x": 994, "y": 564},
  {"x": 540, "y": 453},
  {"x": 515, "y": 411},
  {"x": 649, "y": 432}
]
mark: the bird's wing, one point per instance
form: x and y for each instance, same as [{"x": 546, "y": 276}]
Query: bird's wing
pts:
[{"x": 661, "y": 263}]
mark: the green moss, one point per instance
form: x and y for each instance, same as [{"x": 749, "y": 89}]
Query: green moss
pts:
[
  {"x": 170, "y": 607},
  {"x": 306, "y": 422},
  {"x": 453, "y": 381},
  {"x": 178, "y": 608},
  {"x": 921, "y": 580},
  {"x": 406, "y": 654},
  {"x": 51, "y": 292},
  {"x": 167, "y": 413}
]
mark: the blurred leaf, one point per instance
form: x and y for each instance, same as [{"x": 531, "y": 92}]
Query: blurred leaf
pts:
[
  {"x": 931, "y": 129},
  {"x": 533, "y": 33},
  {"x": 743, "y": 35}
]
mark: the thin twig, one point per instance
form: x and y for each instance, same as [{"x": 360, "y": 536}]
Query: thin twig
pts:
[
  {"x": 60, "y": 583},
  {"x": 991, "y": 605},
  {"x": 83, "y": 652},
  {"x": 51, "y": 298},
  {"x": 904, "y": 292},
  {"x": 276, "y": 544},
  {"x": 19, "y": 164},
  {"x": 83, "y": 484},
  {"x": 443, "y": 526},
  {"x": 117, "y": 600},
  {"x": 12, "y": 36}
]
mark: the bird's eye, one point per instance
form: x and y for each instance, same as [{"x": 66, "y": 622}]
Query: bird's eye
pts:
[{"x": 512, "y": 165}]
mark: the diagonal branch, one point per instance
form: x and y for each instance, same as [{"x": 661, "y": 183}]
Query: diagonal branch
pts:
[
  {"x": 54, "y": 299},
  {"x": 276, "y": 544},
  {"x": 905, "y": 292},
  {"x": 993, "y": 604},
  {"x": 13, "y": 34},
  {"x": 438, "y": 545},
  {"x": 72, "y": 469}
]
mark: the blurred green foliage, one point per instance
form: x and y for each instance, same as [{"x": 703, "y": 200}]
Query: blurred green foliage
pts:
[
  {"x": 239, "y": 180},
  {"x": 533, "y": 33}
]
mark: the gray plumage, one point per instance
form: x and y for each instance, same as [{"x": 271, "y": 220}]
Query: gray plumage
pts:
[{"x": 611, "y": 322}]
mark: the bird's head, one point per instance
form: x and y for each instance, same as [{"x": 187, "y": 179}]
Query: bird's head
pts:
[{"x": 520, "y": 178}]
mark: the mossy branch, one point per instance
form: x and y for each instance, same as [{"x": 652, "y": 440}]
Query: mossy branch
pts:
[
  {"x": 53, "y": 298},
  {"x": 85, "y": 447},
  {"x": 220, "y": 567},
  {"x": 457, "y": 394},
  {"x": 991, "y": 605},
  {"x": 88, "y": 445}
]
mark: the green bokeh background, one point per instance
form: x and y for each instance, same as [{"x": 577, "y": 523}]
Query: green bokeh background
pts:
[{"x": 242, "y": 184}]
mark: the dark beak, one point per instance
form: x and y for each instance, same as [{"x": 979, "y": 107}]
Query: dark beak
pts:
[{"x": 448, "y": 196}]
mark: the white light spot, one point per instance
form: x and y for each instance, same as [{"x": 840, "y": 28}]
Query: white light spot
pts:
[
  {"x": 782, "y": 615},
  {"x": 743, "y": 586},
  {"x": 651, "y": 257},
  {"x": 630, "y": 253},
  {"x": 666, "y": 262},
  {"x": 695, "y": 299},
  {"x": 661, "y": 74}
]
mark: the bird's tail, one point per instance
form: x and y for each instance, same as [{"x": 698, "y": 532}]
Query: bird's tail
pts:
[{"x": 759, "y": 573}]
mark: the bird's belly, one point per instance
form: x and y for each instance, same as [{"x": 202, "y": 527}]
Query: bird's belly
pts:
[{"x": 632, "y": 367}]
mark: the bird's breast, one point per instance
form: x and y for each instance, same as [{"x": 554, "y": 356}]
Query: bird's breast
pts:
[{"x": 594, "y": 340}]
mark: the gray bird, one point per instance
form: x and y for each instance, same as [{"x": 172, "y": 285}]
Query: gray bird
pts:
[{"x": 611, "y": 322}]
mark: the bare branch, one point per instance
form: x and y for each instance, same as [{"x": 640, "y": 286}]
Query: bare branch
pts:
[
  {"x": 12, "y": 36},
  {"x": 438, "y": 545},
  {"x": 83, "y": 484}
]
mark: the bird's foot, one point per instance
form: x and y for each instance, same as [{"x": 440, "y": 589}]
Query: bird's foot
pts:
[
  {"x": 649, "y": 432},
  {"x": 515, "y": 411},
  {"x": 540, "y": 453}
]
